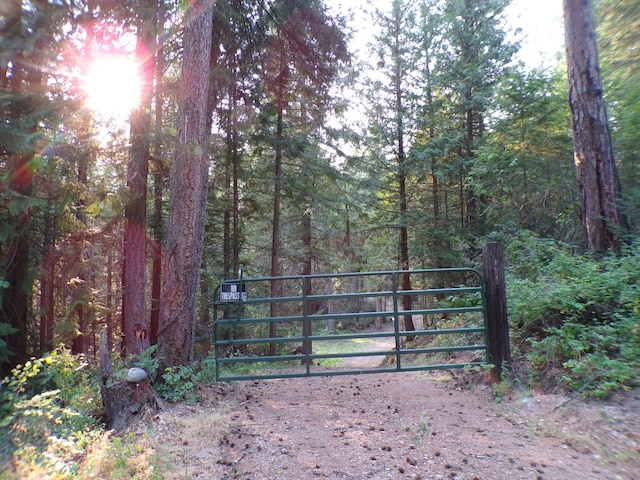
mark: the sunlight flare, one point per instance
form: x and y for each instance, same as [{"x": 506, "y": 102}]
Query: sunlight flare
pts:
[{"x": 112, "y": 86}]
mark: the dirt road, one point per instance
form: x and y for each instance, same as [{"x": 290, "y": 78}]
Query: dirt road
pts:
[{"x": 396, "y": 426}]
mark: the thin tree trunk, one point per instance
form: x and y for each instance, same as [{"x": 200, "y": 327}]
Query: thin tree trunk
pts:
[
  {"x": 227, "y": 249},
  {"x": 307, "y": 269},
  {"x": 403, "y": 242},
  {"x": 600, "y": 190},
  {"x": 16, "y": 299},
  {"x": 79, "y": 342},
  {"x": 47, "y": 281},
  {"x": 277, "y": 193},
  {"x": 158, "y": 189},
  {"x": 236, "y": 205},
  {"x": 227, "y": 242},
  {"x": 109, "y": 317}
]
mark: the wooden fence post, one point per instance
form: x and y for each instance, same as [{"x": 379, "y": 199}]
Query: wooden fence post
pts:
[{"x": 498, "y": 323}]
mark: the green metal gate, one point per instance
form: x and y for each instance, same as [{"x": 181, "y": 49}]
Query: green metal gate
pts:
[{"x": 349, "y": 323}]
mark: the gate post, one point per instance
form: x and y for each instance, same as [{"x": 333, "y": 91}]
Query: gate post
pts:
[{"x": 497, "y": 319}]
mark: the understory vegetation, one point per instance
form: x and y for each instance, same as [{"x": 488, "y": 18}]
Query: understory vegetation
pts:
[
  {"x": 575, "y": 319},
  {"x": 575, "y": 328}
]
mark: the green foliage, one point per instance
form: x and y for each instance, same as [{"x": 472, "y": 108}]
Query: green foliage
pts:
[
  {"x": 149, "y": 362},
  {"x": 580, "y": 315},
  {"x": 129, "y": 459},
  {"x": 179, "y": 383},
  {"x": 47, "y": 414},
  {"x": 5, "y": 329}
]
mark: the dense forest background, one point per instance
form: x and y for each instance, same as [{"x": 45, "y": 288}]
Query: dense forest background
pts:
[
  {"x": 258, "y": 140},
  {"x": 316, "y": 160}
]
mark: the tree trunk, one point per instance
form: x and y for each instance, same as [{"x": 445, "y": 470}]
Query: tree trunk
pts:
[
  {"x": 16, "y": 299},
  {"x": 307, "y": 269},
  {"x": 109, "y": 316},
  {"x": 403, "y": 242},
  {"x": 26, "y": 80},
  {"x": 331, "y": 322},
  {"x": 158, "y": 190},
  {"x": 599, "y": 184},
  {"x": 47, "y": 281},
  {"x": 226, "y": 217},
  {"x": 236, "y": 205},
  {"x": 78, "y": 345},
  {"x": 189, "y": 183},
  {"x": 277, "y": 193},
  {"x": 136, "y": 325}
]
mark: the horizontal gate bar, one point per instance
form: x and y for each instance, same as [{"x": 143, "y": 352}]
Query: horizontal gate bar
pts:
[
  {"x": 348, "y": 316},
  {"x": 346, "y": 296},
  {"x": 347, "y": 336},
  {"x": 328, "y": 356},
  {"x": 355, "y": 371}
]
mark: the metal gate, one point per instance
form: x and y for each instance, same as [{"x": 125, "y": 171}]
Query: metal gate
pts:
[{"x": 349, "y": 323}]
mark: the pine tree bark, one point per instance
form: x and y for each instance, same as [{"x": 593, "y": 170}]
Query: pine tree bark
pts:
[
  {"x": 403, "y": 241},
  {"x": 307, "y": 269},
  {"x": 277, "y": 195},
  {"x": 136, "y": 324},
  {"x": 599, "y": 183},
  {"x": 158, "y": 189},
  {"x": 25, "y": 82},
  {"x": 189, "y": 183}
]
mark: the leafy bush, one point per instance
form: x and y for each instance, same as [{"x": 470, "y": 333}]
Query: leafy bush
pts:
[
  {"x": 149, "y": 362},
  {"x": 578, "y": 314},
  {"x": 179, "y": 383},
  {"x": 47, "y": 415}
]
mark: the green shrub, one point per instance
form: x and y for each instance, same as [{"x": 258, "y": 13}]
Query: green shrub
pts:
[
  {"x": 179, "y": 383},
  {"x": 149, "y": 362},
  {"x": 48, "y": 411},
  {"x": 578, "y": 314}
]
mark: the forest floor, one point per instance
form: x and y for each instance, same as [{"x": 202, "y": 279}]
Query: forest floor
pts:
[{"x": 436, "y": 425}]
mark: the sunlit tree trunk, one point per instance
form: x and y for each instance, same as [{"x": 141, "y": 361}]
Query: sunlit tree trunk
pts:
[
  {"x": 189, "y": 183},
  {"x": 136, "y": 323},
  {"x": 602, "y": 220}
]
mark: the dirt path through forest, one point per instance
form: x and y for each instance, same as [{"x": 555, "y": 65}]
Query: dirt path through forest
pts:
[{"x": 395, "y": 426}]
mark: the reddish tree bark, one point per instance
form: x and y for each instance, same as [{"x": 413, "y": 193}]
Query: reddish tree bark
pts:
[
  {"x": 598, "y": 178},
  {"x": 189, "y": 184},
  {"x": 136, "y": 323},
  {"x": 158, "y": 188}
]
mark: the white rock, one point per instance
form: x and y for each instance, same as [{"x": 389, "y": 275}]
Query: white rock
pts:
[{"x": 135, "y": 375}]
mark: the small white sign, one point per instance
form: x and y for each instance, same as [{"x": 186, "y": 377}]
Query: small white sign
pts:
[{"x": 230, "y": 292}]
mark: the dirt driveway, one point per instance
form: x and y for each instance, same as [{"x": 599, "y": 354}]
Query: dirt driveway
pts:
[{"x": 395, "y": 426}]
